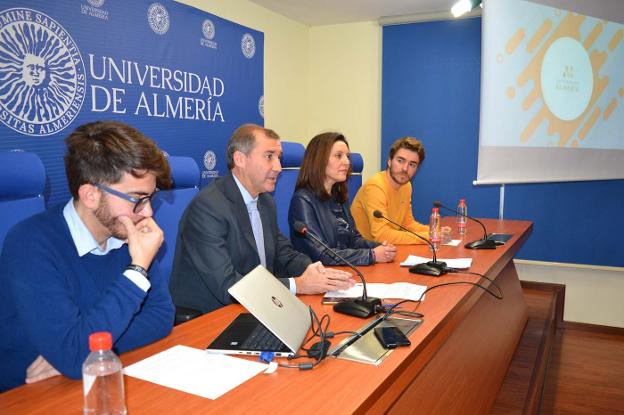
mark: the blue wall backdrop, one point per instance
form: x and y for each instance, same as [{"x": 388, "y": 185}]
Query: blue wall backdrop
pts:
[
  {"x": 431, "y": 90},
  {"x": 182, "y": 76}
]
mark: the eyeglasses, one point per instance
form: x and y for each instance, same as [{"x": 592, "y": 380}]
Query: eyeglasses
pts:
[{"x": 139, "y": 203}]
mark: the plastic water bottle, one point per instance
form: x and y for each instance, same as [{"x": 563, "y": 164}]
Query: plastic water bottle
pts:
[
  {"x": 462, "y": 210},
  {"x": 102, "y": 378},
  {"x": 435, "y": 235}
]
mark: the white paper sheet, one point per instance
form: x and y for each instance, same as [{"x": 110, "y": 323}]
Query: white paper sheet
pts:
[
  {"x": 401, "y": 290},
  {"x": 459, "y": 263},
  {"x": 195, "y": 371}
]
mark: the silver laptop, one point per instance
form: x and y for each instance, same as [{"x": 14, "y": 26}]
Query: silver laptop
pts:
[{"x": 273, "y": 307}]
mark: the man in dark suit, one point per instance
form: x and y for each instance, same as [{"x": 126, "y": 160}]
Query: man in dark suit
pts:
[{"x": 231, "y": 227}]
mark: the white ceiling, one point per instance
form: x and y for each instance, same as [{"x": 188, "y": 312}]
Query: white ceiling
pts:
[{"x": 325, "y": 12}]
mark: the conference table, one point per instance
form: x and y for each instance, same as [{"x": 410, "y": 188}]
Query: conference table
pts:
[{"x": 455, "y": 365}]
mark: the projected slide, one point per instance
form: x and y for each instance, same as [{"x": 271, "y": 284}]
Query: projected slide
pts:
[{"x": 551, "y": 78}]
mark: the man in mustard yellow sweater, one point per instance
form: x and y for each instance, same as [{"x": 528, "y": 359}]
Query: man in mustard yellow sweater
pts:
[{"x": 390, "y": 192}]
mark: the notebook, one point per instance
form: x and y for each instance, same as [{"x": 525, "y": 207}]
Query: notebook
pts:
[{"x": 274, "y": 308}]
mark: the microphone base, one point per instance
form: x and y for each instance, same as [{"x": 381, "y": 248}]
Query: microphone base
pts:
[
  {"x": 359, "y": 307},
  {"x": 432, "y": 268},
  {"x": 481, "y": 244}
]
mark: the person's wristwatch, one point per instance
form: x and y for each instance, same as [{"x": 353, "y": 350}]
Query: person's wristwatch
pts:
[{"x": 138, "y": 269}]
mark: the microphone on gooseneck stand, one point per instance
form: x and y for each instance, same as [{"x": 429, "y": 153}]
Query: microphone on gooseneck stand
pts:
[
  {"x": 484, "y": 243},
  {"x": 433, "y": 267},
  {"x": 364, "y": 306}
]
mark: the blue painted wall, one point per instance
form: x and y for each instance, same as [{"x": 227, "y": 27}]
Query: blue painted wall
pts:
[{"x": 431, "y": 90}]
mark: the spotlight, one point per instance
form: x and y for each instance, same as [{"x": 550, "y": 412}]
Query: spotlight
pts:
[{"x": 464, "y": 6}]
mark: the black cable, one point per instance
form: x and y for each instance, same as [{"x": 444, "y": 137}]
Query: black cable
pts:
[
  {"x": 319, "y": 328},
  {"x": 332, "y": 334},
  {"x": 487, "y": 290},
  {"x": 407, "y": 313},
  {"x": 315, "y": 330},
  {"x": 459, "y": 271},
  {"x": 393, "y": 309}
]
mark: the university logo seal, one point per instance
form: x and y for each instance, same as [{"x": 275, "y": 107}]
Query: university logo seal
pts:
[
  {"x": 261, "y": 106},
  {"x": 96, "y": 3},
  {"x": 248, "y": 46},
  {"x": 210, "y": 160},
  {"x": 208, "y": 29},
  {"x": 158, "y": 18},
  {"x": 43, "y": 76}
]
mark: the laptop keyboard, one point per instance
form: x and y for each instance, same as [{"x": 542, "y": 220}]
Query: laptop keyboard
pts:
[{"x": 262, "y": 339}]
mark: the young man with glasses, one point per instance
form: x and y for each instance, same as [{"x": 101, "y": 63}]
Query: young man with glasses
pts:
[{"x": 86, "y": 266}]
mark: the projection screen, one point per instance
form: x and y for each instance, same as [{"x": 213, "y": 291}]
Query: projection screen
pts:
[{"x": 552, "y": 91}]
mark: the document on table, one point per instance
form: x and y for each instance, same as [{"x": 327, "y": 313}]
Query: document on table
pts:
[
  {"x": 195, "y": 371},
  {"x": 401, "y": 290},
  {"x": 459, "y": 263}
]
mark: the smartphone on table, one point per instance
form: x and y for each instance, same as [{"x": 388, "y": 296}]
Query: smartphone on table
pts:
[{"x": 391, "y": 337}]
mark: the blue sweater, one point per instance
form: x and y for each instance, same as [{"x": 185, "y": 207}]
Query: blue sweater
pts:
[{"x": 51, "y": 300}]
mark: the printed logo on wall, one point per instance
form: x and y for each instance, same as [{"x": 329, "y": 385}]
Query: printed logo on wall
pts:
[
  {"x": 65, "y": 66},
  {"x": 210, "y": 162},
  {"x": 248, "y": 45},
  {"x": 94, "y": 9},
  {"x": 208, "y": 29},
  {"x": 158, "y": 18},
  {"x": 43, "y": 73},
  {"x": 261, "y": 106}
]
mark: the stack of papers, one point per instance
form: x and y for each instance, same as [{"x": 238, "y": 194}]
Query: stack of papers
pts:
[
  {"x": 401, "y": 290},
  {"x": 195, "y": 371},
  {"x": 459, "y": 263}
]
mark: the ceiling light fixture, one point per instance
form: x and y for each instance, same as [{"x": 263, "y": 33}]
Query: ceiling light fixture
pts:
[{"x": 464, "y": 6}]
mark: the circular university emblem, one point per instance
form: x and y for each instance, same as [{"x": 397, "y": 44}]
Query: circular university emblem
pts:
[
  {"x": 261, "y": 106},
  {"x": 158, "y": 18},
  {"x": 567, "y": 78},
  {"x": 248, "y": 46},
  {"x": 96, "y": 3},
  {"x": 210, "y": 160},
  {"x": 43, "y": 76},
  {"x": 208, "y": 29}
]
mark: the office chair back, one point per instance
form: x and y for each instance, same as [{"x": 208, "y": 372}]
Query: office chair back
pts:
[
  {"x": 292, "y": 156},
  {"x": 355, "y": 181},
  {"x": 22, "y": 181},
  {"x": 169, "y": 205}
]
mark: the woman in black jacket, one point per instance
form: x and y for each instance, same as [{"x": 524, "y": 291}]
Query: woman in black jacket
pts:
[{"x": 320, "y": 202}]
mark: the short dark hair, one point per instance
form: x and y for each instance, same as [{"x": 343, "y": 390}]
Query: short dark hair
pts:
[
  {"x": 244, "y": 139},
  {"x": 312, "y": 173},
  {"x": 102, "y": 151},
  {"x": 409, "y": 143}
]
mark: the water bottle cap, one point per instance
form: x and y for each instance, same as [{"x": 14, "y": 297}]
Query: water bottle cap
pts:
[
  {"x": 101, "y": 340},
  {"x": 462, "y": 200},
  {"x": 435, "y": 209}
]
